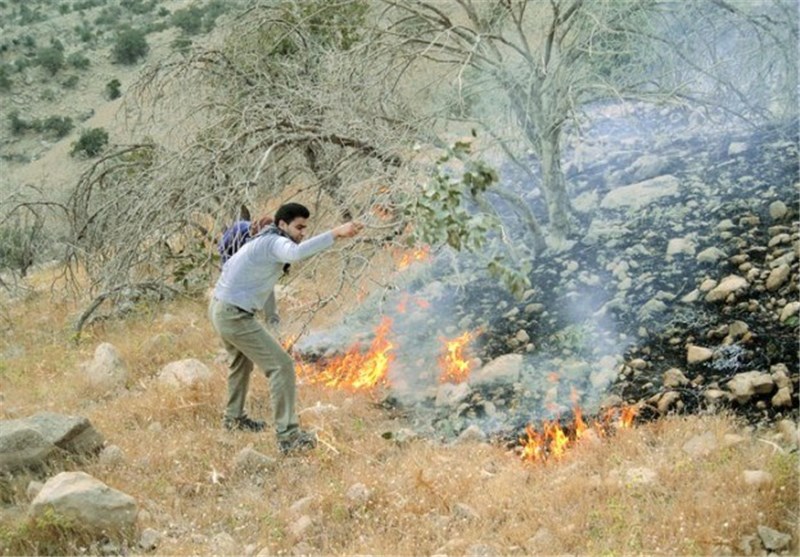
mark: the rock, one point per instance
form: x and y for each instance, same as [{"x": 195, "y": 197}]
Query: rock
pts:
[
  {"x": 33, "y": 489},
  {"x": 74, "y": 434},
  {"x": 472, "y": 434},
  {"x": 731, "y": 284},
  {"x": 789, "y": 432},
  {"x": 522, "y": 336},
  {"x": 737, "y": 148},
  {"x": 667, "y": 401},
  {"x": 634, "y": 476},
  {"x": 224, "y": 544},
  {"x": 777, "y": 277},
  {"x": 302, "y": 505},
  {"x": 22, "y": 447},
  {"x": 757, "y": 478},
  {"x": 745, "y": 385},
  {"x": 449, "y": 395},
  {"x": 713, "y": 396},
  {"x": 107, "y": 370},
  {"x": 789, "y": 310},
  {"x": 184, "y": 373},
  {"x": 773, "y": 539},
  {"x": 249, "y": 460},
  {"x": 543, "y": 542},
  {"x": 710, "y": 255},
  {"x": 782, "y": 399},
  {"x": 698, "y": 354},
  {"x": 638, "y": 195},
  {"x": 358, "y": 494},
  {"x": 86, "y": 501},
  {"x": 778, "y": 210},
  {"x": 462, "y": 511},
  {"x": 674, "y": 377},
  {"x": 506, "y": 369},
  {"x": 738, "y": 329},
  {"x": 700, "y": 445},
  {"x": 111, "y": 456},
  {"x": 300, "y": 526},
  {"x": 149, "y": 539},
  {"x": 683, "y": 246}
]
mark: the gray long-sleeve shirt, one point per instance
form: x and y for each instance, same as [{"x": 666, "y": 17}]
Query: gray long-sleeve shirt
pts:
[{"x": 250, "y": 275}]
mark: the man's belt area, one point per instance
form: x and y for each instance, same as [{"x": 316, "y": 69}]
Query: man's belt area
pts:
[
  {"x": 250, "y": 313},
  {"x": 247, "y": 311}
]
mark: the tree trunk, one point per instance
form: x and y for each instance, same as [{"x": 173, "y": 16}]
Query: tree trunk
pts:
[{"x": 555, "y": 186}]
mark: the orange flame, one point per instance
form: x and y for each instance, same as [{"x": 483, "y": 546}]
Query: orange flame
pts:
[
  {"x": 554, "y": 440},
  {"x": 355, "y": 370},
  {"x": 406, "y": 258},
  {"x": 455, "y": 367}
]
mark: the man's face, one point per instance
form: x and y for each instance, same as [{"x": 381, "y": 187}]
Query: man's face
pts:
[{"x": 295, "y": 229}]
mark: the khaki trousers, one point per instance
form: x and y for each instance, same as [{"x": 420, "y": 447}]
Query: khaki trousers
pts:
[{"x": 248, "y": 343}]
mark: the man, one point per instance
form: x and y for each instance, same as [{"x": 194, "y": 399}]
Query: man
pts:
[
  {"x": 233, "y": 238},
  {"x": 246, "y": 281}
]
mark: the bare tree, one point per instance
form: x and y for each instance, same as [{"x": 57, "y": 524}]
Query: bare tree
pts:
[{"x": 522, "y": 70}]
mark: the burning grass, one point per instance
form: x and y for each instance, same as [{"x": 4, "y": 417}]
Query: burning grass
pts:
[{"x": 638, "y": 491}]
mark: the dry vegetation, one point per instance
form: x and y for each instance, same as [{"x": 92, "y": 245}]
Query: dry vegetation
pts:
[{"x": 424, "y": 497}]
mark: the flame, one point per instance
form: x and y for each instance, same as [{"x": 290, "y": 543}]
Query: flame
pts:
[
  {"x": 455, "y": 367},
  {"x": 406, "y": 258},
  {"x": 553, "y": 440},
  {"x": 355, "y": 370}
]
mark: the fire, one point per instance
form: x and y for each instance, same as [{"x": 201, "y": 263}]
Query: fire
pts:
[
  {"x": 406, "y": 258},
  {"x": 553, "y": 440},
  {"x": 355, "y": 370},
  {"x": 455, "y": 367}
]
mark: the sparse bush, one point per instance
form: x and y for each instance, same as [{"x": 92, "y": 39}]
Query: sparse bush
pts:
[
  {"x": 78, "y": 61},
  {"x": 109, "y": 16},
  {"x": 17, "y": 125},
  {"x": 28, "y": 41},
  {"x": 189, "y": 20},
  {"x": 64, "y": 8},
  {"x": 51, "y": 59},
  {"x": 71, "y": 82},
  {"x": 163, "y": 12},
  {"x": 20, "y": 64},
  {"x": 48, "y": 95},
  {"x": 5, "y": 77},
  {"x": 84, "y": 32},
  {"x": 58, "y": 125},
  {"x": 130, "y": 45},
  {"x": 90, "y": 143},
  {"x": 112, "y": 89},
  {"x": 138, "y": 6},
  {"x": 18, "y": 244}
]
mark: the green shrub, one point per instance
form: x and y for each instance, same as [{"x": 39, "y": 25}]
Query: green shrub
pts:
[
  {"x": 64, "y": 8},
  {"x": 90, "y": 143},
  {"x": 58, "y": 125},
  {"x": 18, "y": 245},
  {"x": 112, "y": 89},
  {"x": 189, "y": 20},
  {"x": 84, "y": 32},
  {"x": 138, "y": 6},
  {"x": 71, "y": 82},
  {"x": 5, "y": 77},
  {"x": 28, "y": 41},
  {"x": 163, "y": 12},
  {"x": 20, "y": 64},
  {"x": 109, "y": 16},
  {"x": 130, "y": 45},
  {"x": 51, "y": 59},
  {"x": 78, "y": 60},
  {"x": 17, "y": 125}
]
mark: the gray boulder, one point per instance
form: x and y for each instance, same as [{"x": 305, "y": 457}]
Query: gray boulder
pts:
[{"x": 87, "y": 502}]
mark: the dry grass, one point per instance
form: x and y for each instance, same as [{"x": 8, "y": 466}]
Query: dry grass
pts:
[{"x": 424, "y": 497}]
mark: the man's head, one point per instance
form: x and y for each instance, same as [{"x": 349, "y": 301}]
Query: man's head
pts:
[{"x": 291, "y": 218}]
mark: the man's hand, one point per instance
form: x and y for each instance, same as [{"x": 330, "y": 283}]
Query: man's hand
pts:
[{"x": 347, "y": 230}]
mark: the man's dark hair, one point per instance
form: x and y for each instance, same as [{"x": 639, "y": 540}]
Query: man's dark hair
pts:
[{"x": 290, "y": 211}]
